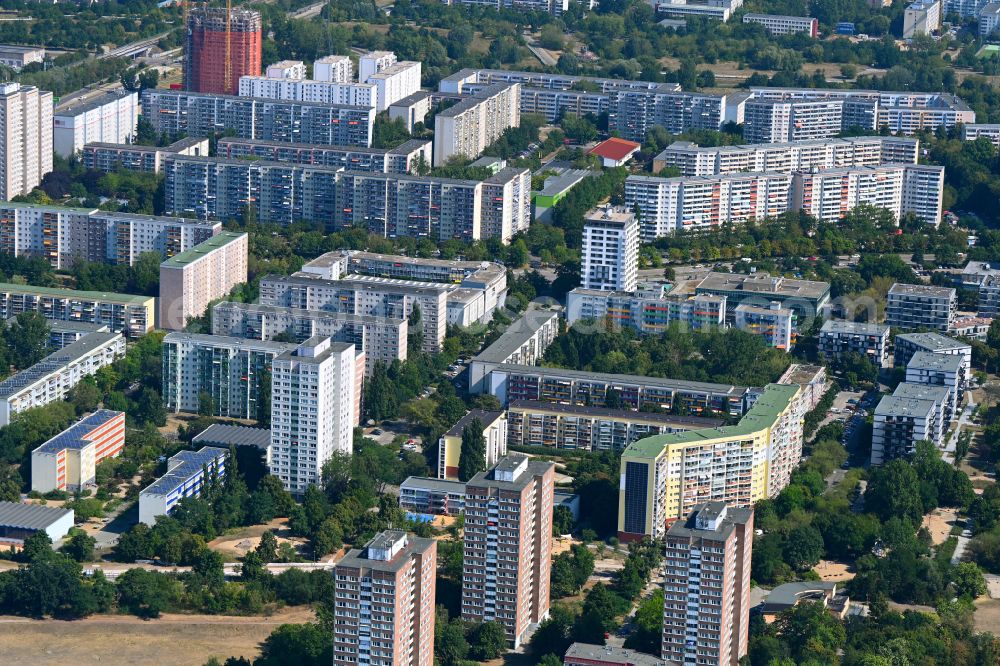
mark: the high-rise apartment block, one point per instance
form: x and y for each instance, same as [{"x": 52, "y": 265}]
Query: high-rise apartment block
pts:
[
  {"x": 393, "y": 80},
  {"x": 286, "y": 69},
  {"x": 777, "y": 120},
  {"x": 315, "y": 405},
  {"x": 220, "y": 48},
  {"x": 132, "y": 315},
  {"x": 908, "y": 344},
  {"x": 174, "y": 113},
  {"x": 337, "y": 68},
  {"x": 914, "y": 306},
  {"x": 189, "y": 281},
  {"x": 363, "y": 295},
  {"x": 404, "y": 158},
  {"x": 508, "y": 539},
  {"x": 610, "y": 254},
  {"x": 384, "y": 610},
  {"x": 391, "y": 205},
  {"x": 382, "y": 339},
  {"x": 109, "y": 118},
  {"x": 921, "y": 17},
  {"x": 111, "y": 157},
  {"x": 899, "y": 423},
  {"x": 469, "y": 127},
  {"x": 706, "y": 588},
  {"x": 648, "y": 310},
  {"x": 308, "y": 90},
  {"x": 25, "y": 138},
  {"x": 788, "y": 157},
  {"x": 665, "y": 477},
  {"x": 62, "y": 235},
  {"x": 227, "y": 376},
  {"x": 670, "y": 204}
]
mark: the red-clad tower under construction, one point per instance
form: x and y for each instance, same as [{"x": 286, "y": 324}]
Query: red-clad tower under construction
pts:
[{"x": 205, "y": 56}]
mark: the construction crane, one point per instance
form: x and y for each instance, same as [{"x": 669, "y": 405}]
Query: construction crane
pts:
[{"x": 228, "y": 65}]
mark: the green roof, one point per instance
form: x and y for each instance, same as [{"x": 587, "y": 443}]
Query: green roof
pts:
[
  {"x": 198, "y": 251},
  {"x": 771, "y": 402},
  {"x": 53, "y": 207},
  {"x": 74, "y": 293}
]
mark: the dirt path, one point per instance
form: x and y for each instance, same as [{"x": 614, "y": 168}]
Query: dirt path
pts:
[
  {"x": 939, "y": 523},
  {"x": 172, "y": 640}
]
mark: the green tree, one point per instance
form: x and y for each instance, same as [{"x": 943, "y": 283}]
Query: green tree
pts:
[
  {"x": 487, "y": 640},
  {"x": 27, "y": 338},
  {"x": 299, "y": 644},
  {"x": 146, "y": 594},
  {"x": 80, "y": 547},
  {"x": 968, "y": 580},
  {"x": 894, "y": 490},
  {"x": 472, "y": 457}
]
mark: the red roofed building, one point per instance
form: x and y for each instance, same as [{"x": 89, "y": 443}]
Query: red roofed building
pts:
[{"x": 615, "y": 152}]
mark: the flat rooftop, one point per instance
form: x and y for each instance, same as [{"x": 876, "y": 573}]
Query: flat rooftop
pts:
[
  {"x": 837, "y": 327},
  {"x": 485, "y": 417},
  {"x": 636, "y": 380},
  {"x": 924, "y": 360},
  {"x": 894, "y": 405},
  {"x": 73, "y": 109},
  {"x": 203, "y": 249},
  {"x": 226, "y": 435},
  {"x": 691, "y": 422},
  {"x": 733, "y": 516},
  {"x": 606, "y": 654},
  {"x": 105, "y": 297},
  {"x": 315, "y": 315},
  {"x": 933, "y": 341},
  {"x": 923, "y": 392},
  {"x": 73, "y": 436},
  {"x": 559, "y": 183},
  {"x": 227, "y": 341},
  {"x": 432, "y": 483},
  {"x": 516, "y": 335},
  {"x": 358, "y": 558},
  {"x": 186, "y": 465},
  {"x": 509, "y": 463},
  {"x": 774, "y": 400},
  {"x": 30, "y": 516},
  {"x": 763, "y": 283},
  {"x": 55, "y": 361},
  {"x": 924, "y": 290}
]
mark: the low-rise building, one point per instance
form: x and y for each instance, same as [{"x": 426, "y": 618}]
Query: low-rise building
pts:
[
  {"x": 584, "y": 654},
  {"x": 974, "y": 328},
  {"x": 787, "y": 596},
  {"x": 19, "y": 521},
  {"x": 973, "y": 131},
  {"x": 223, "y": 436},
  {"x": 785, "y": 25},
  {"x": 189, "y": 281},
  {"x": 989, "y": 296},
  {"x": 185, "y": 477},
  {"x": 17, "y": 57},
  {"x": 68, "y": 461},
  {"x": 133, "y": 315},
  {"x": 837, "y": 338},
  {"x": 535, "y": 423},
  {"x": 64, "y": 333},
  {"x": 523, "y": 343},
  {"x": 939, "y": 395},
  {"x": 773, "y": 323},
  {"x": 615, "y": 152},
  {"x": 51, "y": 379},
  {"x": 805, "y": 297},
  {"x": 917, "y": 306},
  {"x": 908, "y": 344},
  {"x": 947, "y": 370},
  {"x": 432, "y": 496},
  {"x": 450, "y": 445},
  {"x": 899, "y": 423}
]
